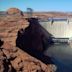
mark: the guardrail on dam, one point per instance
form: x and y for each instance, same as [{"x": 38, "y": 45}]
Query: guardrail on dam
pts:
[{"x": 59, "y": 28}]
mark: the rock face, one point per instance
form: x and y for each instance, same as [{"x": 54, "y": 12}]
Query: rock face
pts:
[
  {"x": 12, "y": 11},
  {"x": 12, "y": 58},
  {"x": 17, "y": 60},
  {"x": 34, "y": 37},
  {"x": 10, "y": 25}
]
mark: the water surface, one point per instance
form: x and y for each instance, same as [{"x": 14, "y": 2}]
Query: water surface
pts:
[{"x": 61, "y": 55}]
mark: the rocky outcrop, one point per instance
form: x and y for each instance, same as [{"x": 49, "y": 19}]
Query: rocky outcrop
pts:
[
  {"x": 12, "y": 58},
  {"x": 10, "y": 25},
  {"x": 14, "y": 11},
  {"x": 19, "y": 61},
  {"x": 34, "y": 40}
]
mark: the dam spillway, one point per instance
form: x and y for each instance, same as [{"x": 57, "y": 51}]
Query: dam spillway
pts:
[{"x": 59, "y": 28}]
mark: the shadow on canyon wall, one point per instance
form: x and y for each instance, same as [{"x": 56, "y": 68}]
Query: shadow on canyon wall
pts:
[
  {"x": 5, "y": 62},
  {"x": 34, "y": 40},
  {"x": 1, "y": 42}
]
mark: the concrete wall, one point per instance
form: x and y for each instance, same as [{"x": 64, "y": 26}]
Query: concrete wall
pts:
[{"x": 59, "y": 29}]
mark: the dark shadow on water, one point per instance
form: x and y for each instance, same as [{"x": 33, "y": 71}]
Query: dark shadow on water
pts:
[
  {"x": 61, "y": 67},
  {"x": 34, "y": 40}
]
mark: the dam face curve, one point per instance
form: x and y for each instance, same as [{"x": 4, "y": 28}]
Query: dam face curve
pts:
[{"x": 59, "y": 29}]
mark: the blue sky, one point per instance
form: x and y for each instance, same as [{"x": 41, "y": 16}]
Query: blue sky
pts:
[{"x": 37, "y": 5}]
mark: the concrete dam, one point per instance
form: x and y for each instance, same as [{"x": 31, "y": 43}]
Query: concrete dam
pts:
[{"x": 59, "y": 28}]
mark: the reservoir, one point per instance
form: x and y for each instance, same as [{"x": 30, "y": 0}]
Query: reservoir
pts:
[{"x": 61, "y": 55}]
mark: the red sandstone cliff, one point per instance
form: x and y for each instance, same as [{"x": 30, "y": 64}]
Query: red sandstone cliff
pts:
[{"x": 12, "y": 58}]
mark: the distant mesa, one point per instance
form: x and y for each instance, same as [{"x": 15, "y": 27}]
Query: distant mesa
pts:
[{"x": 13, "y": 11}]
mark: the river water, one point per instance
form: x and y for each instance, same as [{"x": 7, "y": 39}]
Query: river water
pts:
[{"x": 61, "y": 54}]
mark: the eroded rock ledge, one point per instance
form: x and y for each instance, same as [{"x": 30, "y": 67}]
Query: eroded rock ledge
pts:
[
  {"x": 10, "y": 24},
  {"x": 19, "y": 61}
]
